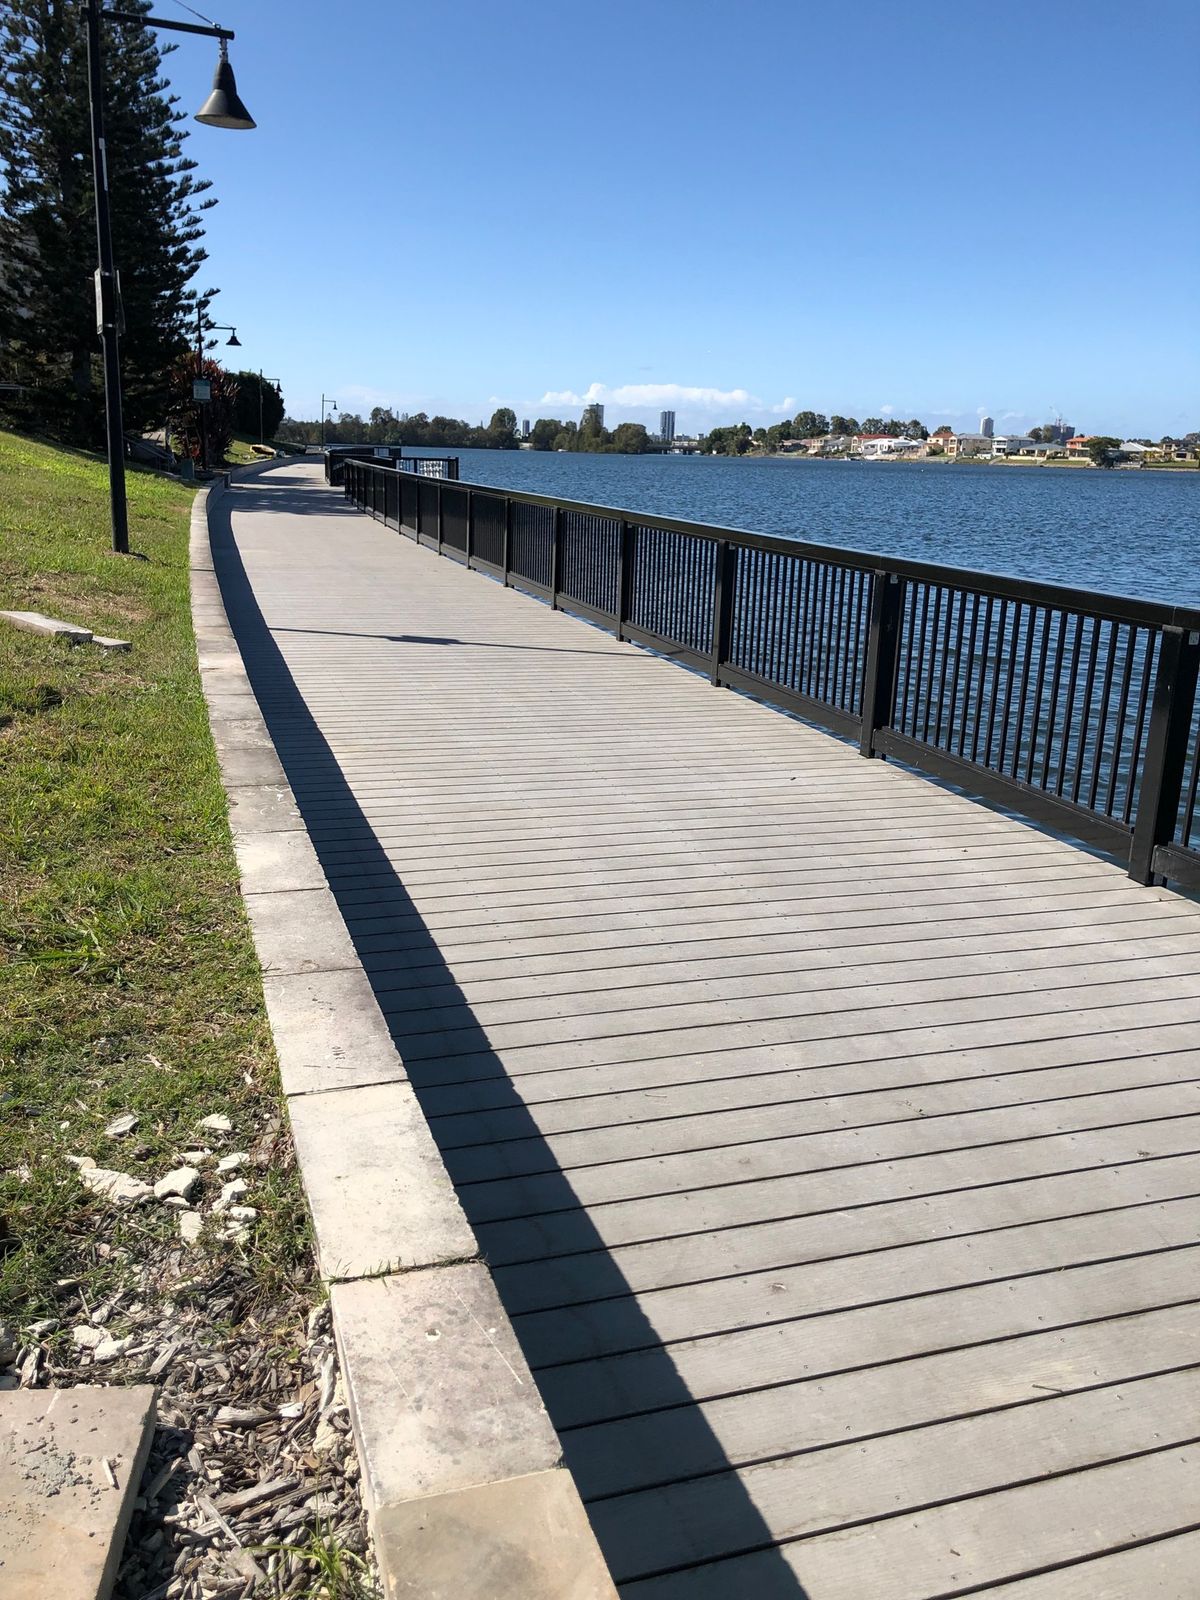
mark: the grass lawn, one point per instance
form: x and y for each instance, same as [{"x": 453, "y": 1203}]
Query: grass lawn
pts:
[
  {"x": 128, "y": 982},
  {"x": 244, "y": 450}
]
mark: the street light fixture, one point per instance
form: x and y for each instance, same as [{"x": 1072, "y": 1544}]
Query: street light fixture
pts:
[{"x": 222, "y": 109}]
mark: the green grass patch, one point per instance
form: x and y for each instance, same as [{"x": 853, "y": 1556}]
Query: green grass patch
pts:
[
  {"x": 128, "y": 978},
  {"x": 244, "y": 450}
]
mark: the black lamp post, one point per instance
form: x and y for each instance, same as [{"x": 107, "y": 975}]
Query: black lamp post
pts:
[
  {"x": 202, "y": 327},
  {"x": 222, "y": 109},
  {"x": 275, "y": 384},
  {"x": 333, "y": 405}
]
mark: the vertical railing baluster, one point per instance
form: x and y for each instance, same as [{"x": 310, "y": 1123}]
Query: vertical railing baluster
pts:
[
  {"x": 470, "y": 526},
  {"x": 1166, "y": 749},
  {"x": 508, "y": 536}
]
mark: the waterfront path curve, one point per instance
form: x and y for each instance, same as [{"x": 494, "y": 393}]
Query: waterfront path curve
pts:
[{"x": 833, "y": 1140}]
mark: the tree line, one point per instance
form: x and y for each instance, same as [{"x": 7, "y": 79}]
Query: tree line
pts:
[
  {"x": 417, "y": 430},
  {"x": 737, "y": 440},
  {"x": 383, "y": 426},
  {"x": 50, "y": 360}
]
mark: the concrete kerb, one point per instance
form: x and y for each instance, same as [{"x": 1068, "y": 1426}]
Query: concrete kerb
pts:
[{"x": 462, "y": 1470}]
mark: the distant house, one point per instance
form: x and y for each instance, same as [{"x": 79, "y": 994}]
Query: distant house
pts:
[
  {"x": 876, "y": 446},
  {"x": 814, "y": 447},
  {"x": 964, "y": 444},
  {"x": 1013, "y": 444},
  {"x": 1127, "y": 450}
]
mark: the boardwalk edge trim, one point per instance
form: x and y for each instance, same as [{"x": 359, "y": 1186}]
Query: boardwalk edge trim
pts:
[{"x": 461, "y": 1469}]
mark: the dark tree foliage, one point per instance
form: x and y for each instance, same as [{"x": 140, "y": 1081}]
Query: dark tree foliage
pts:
[
  {"x": 734, "y": 441},
  {"x": 48, "y": 335},
  {"x": 246, "y": 410},
  {"x": 1102, "y": 448}
]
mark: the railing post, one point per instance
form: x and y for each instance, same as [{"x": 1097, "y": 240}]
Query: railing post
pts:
[
  {"x": 883, "y": 645},
  {"x": 626, "y": 549},
  {"x": 508, "y": 535},
  {"x": 441, "y": 530},
  {"x": 1166, "y": 750},
  {"x": 417, "y": 506},
  {"x": 470, "y": 526},
  {"x": 724, "y": 579},
  {"x": 556, "y": 557}
]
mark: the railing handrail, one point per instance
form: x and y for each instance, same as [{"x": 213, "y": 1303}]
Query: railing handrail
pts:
[{"x": 1099, "y": 603}]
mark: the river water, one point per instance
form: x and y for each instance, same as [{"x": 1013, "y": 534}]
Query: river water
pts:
[{"x": 1125, "y": 532}]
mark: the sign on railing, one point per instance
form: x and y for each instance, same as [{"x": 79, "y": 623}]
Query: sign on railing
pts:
[{"x": 1075, "y": 708}]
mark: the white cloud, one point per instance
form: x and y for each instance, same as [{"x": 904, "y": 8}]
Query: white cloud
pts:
[{"x": 676, "y": 396}]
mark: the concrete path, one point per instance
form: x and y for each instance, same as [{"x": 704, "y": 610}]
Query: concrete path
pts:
[{"x": 834, "y": 1141}]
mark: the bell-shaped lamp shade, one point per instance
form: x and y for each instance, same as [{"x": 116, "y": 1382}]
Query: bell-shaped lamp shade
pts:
[
  {"x": 224, "y": 108},
  {"x": 233, "y": 339}
]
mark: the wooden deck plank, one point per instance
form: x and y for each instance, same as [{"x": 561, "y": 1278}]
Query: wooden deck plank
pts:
[
  {"x": 834, "y": 1140},
  {"x": 781, "y": 1352},
  {"x": 702, "y": 993},
  {"x": 724, "y": 1302},
  {"x": 1165, "y": 1568},
  {"x": 953, "y": 1549},
  {"x": 612, "y": 1458},
  {"x": 537, "y": 1152},
  {"x": 786, "y": 959},
  {"x": 847, "y": 1074},
  {"x": 402, "y": 959},
  {"x": 844, "y": 1211},
  {"x": 798, "y": 1496}
]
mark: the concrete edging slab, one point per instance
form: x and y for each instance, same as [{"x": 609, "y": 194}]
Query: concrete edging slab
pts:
[
  {"x": 462, "y": 1469},
  {"x": 71, "y": 1461}
]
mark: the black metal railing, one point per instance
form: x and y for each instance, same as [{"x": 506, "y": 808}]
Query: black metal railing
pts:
[
  {"x": 1075, "y": 708},
  {"x": 336, "y": 455}
]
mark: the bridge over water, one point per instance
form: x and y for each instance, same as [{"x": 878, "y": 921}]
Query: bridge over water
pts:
[{"x": 833, "y": 1137}]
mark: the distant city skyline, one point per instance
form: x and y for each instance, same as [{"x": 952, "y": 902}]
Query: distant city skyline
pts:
[
  {"x": 826, "y": 232},
  {"x": 564, "y": 405}
]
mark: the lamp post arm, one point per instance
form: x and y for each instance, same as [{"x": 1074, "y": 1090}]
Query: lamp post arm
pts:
[{"x": 169, "y": 25}]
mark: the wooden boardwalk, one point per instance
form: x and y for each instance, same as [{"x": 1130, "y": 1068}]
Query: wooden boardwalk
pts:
[{"x": 834, "y": 1140}]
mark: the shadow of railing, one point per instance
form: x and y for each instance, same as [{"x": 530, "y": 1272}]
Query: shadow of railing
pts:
[{"x": 340, "y": 830}]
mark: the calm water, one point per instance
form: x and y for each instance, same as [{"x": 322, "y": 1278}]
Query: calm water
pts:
[{"x": 1125, "y": 532}]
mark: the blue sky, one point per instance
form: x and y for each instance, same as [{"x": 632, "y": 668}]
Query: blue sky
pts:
[{"x": 733, "y": 210}]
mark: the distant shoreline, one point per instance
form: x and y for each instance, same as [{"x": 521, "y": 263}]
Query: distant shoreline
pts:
[{"x": 973, "y": 461}]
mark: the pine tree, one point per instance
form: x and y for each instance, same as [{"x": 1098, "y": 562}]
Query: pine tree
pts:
[{"x": 48, "y": 335}]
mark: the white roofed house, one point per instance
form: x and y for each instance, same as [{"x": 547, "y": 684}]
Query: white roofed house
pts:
[{"x": 881, "y": 446}]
